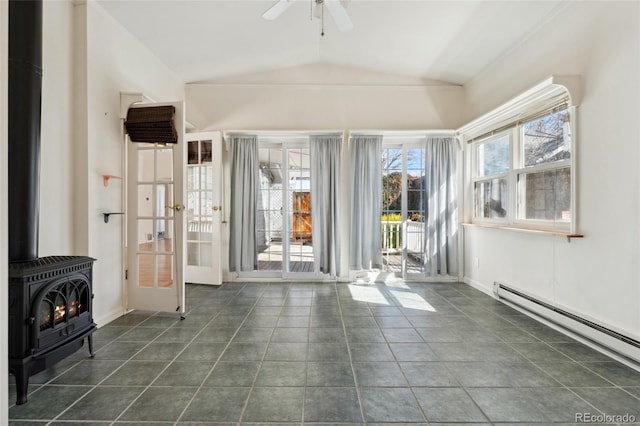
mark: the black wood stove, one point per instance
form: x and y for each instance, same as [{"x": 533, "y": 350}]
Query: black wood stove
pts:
[
  {"x": 50, "y": 298},
  {"x": 49, "y": 314}
]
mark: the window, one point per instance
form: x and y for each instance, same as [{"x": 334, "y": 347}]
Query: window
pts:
[{"x": 522, "y": 175}]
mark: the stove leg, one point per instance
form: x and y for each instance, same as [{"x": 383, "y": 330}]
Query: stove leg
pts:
[
  {"x": 22, "y": 384},
  {"x": 90, "y": 341}
]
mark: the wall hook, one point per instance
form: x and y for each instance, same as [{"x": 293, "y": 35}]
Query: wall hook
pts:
[
  {"x": 105, "y": 179},
  {"x": 106, "y": 216}
]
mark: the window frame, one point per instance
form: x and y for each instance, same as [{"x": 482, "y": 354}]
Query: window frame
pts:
[{"x": 514, "y": 217}]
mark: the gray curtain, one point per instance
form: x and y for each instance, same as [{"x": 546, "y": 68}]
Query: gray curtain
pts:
[
  {"x": 245, "y": 184},
  {"x": 325, "y": 202},
  {"x": 366, "y": 203},
  {"x": 441, "y": 230}
]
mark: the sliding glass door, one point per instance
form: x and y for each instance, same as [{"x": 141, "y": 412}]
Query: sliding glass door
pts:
[{"x": 403, "y": 208}]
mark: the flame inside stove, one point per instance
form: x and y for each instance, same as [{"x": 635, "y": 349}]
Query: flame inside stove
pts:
[
  {"x": 61, "y": 313},
  {"x": 74, "y": 308},
  {"x": 58, "y": 314}
]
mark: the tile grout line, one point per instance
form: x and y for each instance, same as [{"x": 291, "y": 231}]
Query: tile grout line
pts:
[
  {"x": 485, "y": 310},
  {"x": 572, "y": 359},
  {"x": 93, "y": 387},
  {"x": 395, "y": 357},
  {"x": 264, "y": 354},
  {"x": 222, "y": 354},
  {"x": 353, "y": 371},
  {"x": 164, "y": 369},
  {"x": 533, "y": 363}
]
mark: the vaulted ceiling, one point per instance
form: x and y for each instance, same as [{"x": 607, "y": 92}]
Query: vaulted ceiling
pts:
[{"x": 431, "y": 41}]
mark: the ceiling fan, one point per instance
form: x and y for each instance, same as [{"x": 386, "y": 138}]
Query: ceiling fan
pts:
[{"x": 335, "y": 7}]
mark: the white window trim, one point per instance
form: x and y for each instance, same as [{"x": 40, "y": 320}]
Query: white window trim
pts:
[{"x": 531, "y": 101}]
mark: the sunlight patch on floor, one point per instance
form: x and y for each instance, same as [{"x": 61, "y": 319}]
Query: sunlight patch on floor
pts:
[
  {"x": 412, "y": 301},
  {"x": 367, "y": 294}
]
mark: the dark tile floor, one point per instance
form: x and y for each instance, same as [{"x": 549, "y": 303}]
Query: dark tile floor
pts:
[{"x": 330, "y": 354}]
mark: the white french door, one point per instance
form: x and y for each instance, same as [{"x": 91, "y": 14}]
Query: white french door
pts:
[
  {"x": 285, "y": 245},
  {"x": 204, "y": 208},
  {"x": 156, "y": 222},
  {"x": 403, "y": 208}
]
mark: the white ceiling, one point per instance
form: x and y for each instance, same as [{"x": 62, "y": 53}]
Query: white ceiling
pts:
[{"x": 448, "y": 41}]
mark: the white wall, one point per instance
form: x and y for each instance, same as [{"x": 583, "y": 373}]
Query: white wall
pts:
[
  {"x": 115, "y": 62},
  {"x": 595, "y": 277},
  {"x": 317, "y": 107},
  {"x": 56, "y": 150},
  {"x": 4, "y": 232}
]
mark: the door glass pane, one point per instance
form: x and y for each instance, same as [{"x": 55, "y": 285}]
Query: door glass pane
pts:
[
  {"x": 164, "y": 171},
  {"x": 164, "y": 209},
  {"x": 192, "y": 254},
  {"x": 164, "y": 232},
  {"x": 161, "y": 200},
  {"x": 146, "y": 270},
  {"x": 206, "y": 254},
  {"x": 145, "y": 200},
  {"x": 207, "y": 177},
  {"x": 205, "y": 152},
  {"x": 146, "y": 165},
  {"x": 193, "y": 203},
  {"x": 415, "y": 184},
  {"x": 205, "y": 230},
  {"x": 146, "y": 240},
  {"x": 206, "y": 203},
  {"x": 416, "y": 210},
  {"x": 165, "y": 271},
  {"x": 270, "y": 219},
  {"x": 193, "y": 178},
  {"x": 299, "y": 202},
  {"x": 192, "y": 152},
  {"x": 392, "y": 209}
]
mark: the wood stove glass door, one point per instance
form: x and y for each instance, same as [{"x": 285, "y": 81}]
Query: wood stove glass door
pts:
[
  {"x": 204, "y": 208},
  {"x": 156, "y": 223}
]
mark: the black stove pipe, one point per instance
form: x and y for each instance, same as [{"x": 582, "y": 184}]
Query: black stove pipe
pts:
[{"x": 25, "y": 89}]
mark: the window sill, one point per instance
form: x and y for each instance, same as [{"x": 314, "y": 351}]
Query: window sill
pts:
[{"x": 566, "y": 235}]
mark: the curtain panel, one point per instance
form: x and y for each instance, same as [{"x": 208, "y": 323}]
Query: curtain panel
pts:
[
  {"x": 243, "y": 248},
  {"x": 366, "y": 202},
  {"x": 441, "y": 230},
  {"x": 325, "y": 202}
]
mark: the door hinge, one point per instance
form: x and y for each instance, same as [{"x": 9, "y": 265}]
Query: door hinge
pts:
[{"x": 126, "y": 274}]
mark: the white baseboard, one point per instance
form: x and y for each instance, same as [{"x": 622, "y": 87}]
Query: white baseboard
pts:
[
  {"x": 622, "y": 348},
  {"x": 106, "y": 319},
  {"x": 488, "y": 290}
]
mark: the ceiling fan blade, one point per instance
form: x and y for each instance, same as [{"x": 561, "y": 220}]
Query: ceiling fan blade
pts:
[
  {"x": 339, "y": 14},
  {"x": 277, "y": 9}
]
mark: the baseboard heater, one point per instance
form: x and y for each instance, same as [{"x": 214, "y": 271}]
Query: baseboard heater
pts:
[{"x": 616, "y": 345}]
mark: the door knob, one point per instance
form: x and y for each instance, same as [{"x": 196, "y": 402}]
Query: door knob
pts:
[
  {"x": 216, "y": 208},
  {"x": 176, "y": 207}
]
